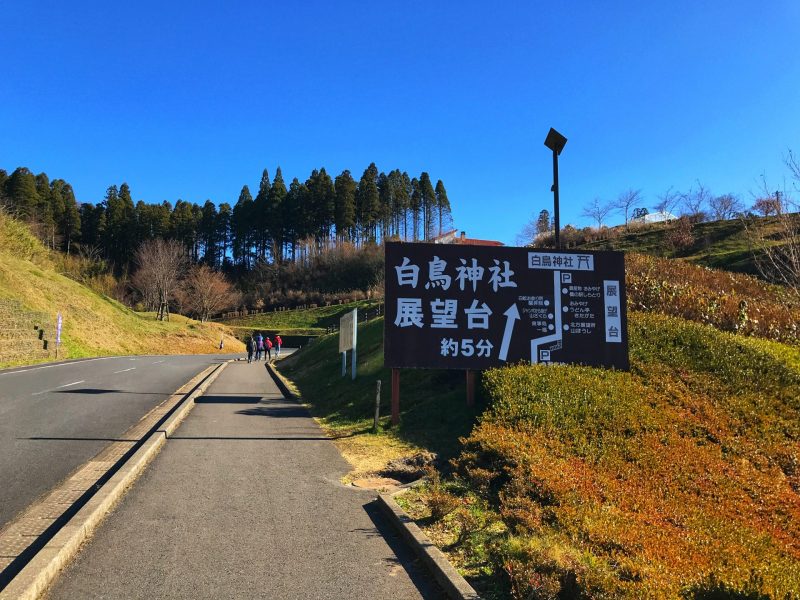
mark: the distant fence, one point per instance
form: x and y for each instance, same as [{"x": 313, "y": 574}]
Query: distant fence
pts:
[
  {"x": 363, "y": 316},
  {"x": 244, "y": 311}
]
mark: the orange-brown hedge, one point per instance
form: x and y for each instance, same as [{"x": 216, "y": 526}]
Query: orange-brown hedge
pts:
[
  {"x": 645, "y": 484},
  {"x": 729, "y": 301}
]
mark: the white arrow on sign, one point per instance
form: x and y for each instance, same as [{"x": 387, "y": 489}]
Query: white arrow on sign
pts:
[{"x": 512, "y": 315}]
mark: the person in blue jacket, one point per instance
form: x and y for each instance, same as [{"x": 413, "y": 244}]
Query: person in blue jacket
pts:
[{"x": 259, "y": 341}]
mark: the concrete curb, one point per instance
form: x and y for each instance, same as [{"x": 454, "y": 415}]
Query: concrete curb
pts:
[
  {"x": 33, "y": 580},
  {"x": 280, "y": 381},
  {"x": 454, "y": 585}
]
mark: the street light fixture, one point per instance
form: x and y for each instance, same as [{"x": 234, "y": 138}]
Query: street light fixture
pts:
[{"x": 556, "y": 142}]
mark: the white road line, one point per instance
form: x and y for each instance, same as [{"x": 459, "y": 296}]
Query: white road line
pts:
[
  {"x": 74, "y": 362},
  {"x": 124, "y": 370},
  {"x": 158, "y": 361},
  {"x": 59, "y": 387},
  {"x": 69, "y": 384}
]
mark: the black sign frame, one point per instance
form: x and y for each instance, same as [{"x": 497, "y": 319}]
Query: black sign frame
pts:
[{"x": 456, "y": 309}]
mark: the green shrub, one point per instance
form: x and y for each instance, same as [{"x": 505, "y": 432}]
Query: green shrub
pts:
[{"x": 613, "y": 484}]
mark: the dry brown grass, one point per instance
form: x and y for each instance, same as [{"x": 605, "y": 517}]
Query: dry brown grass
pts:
[{"x": 94, "y": 324}]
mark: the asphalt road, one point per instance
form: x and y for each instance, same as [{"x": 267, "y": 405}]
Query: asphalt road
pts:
[
  {"x": 244, "y": 501},
  {"x": 53, "y": 418}
]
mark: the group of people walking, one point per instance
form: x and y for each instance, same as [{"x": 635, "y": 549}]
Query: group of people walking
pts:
[{"x": 261, "y": 345}]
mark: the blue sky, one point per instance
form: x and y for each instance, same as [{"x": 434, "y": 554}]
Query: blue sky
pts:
[{"x": 193, "y": 100}]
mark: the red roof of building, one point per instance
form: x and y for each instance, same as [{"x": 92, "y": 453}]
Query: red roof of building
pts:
[
  {"x": 452, "y": 237},
  {"x": 476, "y": 242}
]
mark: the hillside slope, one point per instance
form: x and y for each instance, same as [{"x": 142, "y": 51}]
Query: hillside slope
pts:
[
  {"x": 679, "y": 479},
  {"x": 93, "y": 324},
  {"x": 297, "y": 326},
  {"x": 717, "y": 244}
]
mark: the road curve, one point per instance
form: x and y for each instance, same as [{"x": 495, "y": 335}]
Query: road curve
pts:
[{"x": 55, "y": 417}]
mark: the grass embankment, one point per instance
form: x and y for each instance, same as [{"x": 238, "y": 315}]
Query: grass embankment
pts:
[
  {"x": 678, "y": 479},
  {"x": 718, "y": 244},
  {"x": 93, "y": 324},
  {"x": 433, "y": 403},
  {"x": 600, "y": 484},
  {"x": 301, "y": 321}
]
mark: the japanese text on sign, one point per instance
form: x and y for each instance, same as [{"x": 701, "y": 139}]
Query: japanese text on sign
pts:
[{"x": 473, "y": 307}]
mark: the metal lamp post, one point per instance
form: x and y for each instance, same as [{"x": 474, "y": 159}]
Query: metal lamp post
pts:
[{"x": 556, "y": 142}]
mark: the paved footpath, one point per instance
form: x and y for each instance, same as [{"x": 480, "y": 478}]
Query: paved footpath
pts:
[{"x": 245, "y": 502}]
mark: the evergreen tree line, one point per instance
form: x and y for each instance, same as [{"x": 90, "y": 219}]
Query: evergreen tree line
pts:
[
  {"x": 279, "y": 224},
  {"x": 50, "y": 205}
]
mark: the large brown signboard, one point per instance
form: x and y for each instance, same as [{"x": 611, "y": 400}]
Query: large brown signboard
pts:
[{"x": 451, "y": 306}]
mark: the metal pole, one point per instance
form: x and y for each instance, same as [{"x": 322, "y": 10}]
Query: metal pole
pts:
[
  {"x": 355, "y": 340},
  {"x": 556, "y": 218},
  {"x": 376, "y": 422}
]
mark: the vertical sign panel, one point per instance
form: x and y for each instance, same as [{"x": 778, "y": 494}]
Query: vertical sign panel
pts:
[
  {"x": 451, "y": 306},
  {"x": 347, "y": 331},
  {"x": 613, "y": 318}
]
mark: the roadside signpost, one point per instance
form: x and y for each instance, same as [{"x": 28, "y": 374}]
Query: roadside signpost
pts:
[
  {"x": 348, "y": 338},
  {"x": 451, "y": 306},
  {"x": 59, "y": 321}
]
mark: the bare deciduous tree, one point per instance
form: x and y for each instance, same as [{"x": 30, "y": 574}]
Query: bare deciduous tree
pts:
[
  {"x": 794, "y": 168},
  {"x": 694, "y": 202},
  {"x": 207, "y": 292},
  {"x": 534, "y": 230},
  {"x": 668, "y": 201},
  {"x": 626, "y": 201},
  {"x": 725, "y": 207},
  {"x": 767, "y": 206},
  {"x": 597, "y": 211},
  {"x": 768, "y": 202},
  {"x": 161, "y": 264},
  {"x": 528, "y": 233},
  {"x": 777, "y": 248}
]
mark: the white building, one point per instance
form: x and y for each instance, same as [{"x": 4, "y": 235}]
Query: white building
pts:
[{"x": 655, "y": 217}]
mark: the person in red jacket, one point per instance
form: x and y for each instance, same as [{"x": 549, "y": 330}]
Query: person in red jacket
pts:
[
  {"x": 278, "y": 344},
  {"x": 267, "y": 349}
]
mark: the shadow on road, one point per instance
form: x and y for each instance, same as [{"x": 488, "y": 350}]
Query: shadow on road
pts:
[
  {"x": 228, "y": 399},
  {"x": 281, "y": 412},
  {"x": 251, "y": 438},
  {"x": 406, "y": 558},
  {"x": 75, "y": 439},
  {"x": 98, "y": 391}
]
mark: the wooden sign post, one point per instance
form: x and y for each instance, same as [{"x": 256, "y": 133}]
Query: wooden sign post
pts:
[{"x": 395, "y": 396}]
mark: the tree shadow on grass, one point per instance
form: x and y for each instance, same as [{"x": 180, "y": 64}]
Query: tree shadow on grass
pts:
[{"x": 434, "y": 413}]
